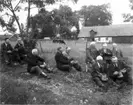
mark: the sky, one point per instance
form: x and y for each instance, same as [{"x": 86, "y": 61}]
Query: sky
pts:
[{"x": 117, "y": 8}]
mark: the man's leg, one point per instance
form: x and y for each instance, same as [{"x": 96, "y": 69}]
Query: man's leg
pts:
[
  {"x": 65, "y": 68},
  {"x": 38, "y": 70},
  {"x": 77, "y": 66},
  {"x": 98, "y": 82}
]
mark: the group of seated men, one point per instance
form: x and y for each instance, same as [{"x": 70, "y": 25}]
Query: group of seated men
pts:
[
  {"x": 36, "y": 64},
  {"x": 106, "y": 64},
  {"x": 12, "y": 55}
]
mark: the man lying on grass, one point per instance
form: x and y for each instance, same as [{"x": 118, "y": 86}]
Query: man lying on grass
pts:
[
  {"x": 64, "y": 63},
  {"x": 36, "y": 64}
]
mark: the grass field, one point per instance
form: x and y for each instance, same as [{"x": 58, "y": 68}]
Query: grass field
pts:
[{"x": 18, "y": 87}]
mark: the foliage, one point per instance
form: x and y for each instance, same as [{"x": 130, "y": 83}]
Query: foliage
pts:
[
  {"x": 96, "y": 15},
  {"x": 129, "y": 17},
  {"x": 47, "y": 22}
]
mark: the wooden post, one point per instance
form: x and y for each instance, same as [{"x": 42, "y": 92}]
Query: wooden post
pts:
[{"x": 86, "y": 53}]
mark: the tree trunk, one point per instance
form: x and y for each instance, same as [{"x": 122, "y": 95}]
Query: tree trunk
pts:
[
  {"x": 28, "y": 18},
  {"x": 17, "y": 21}
]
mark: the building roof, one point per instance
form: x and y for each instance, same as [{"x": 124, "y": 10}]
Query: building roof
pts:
[{"x": 111, "y": 30}]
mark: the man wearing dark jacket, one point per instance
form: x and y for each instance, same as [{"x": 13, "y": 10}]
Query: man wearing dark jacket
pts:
[
  {"x": 118, "y": 70},
  {"x": 7, "y": 51},
  {"x": 36, "y": 64},
  {"x": 106, "y": 53},
  {"x": 99, "y": 73},
  {"x": 19, "y": 50},
  {"x": 63, "y": 62}
]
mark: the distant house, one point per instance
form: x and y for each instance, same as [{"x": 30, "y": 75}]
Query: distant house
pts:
[{"x": 114, "y": 33}]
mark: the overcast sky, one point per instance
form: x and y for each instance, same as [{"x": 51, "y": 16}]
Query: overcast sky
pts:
[{"x": 117, "y": 8}]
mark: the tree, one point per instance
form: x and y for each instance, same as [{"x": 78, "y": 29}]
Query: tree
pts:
[
  {"x": 7, "y": 4},
  {"x": 96, "y": 15},
  {"x": 129, "y": 17}
]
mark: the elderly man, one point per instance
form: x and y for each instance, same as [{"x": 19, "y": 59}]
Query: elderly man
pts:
[
  {"x": 99, "y": 73},
  {"x": 119, "y": 71},
  {"x": 91, "y": 54},
  {"x": 117, "y": 52},
  {"x": 36, "y": 64},
  {"x": 7, "y": 51},
  {"x": 63, "y": 62},
  {"x": 19, "y": 50},
  {"x": 106, "y": 53},
  {"x": 73, "y": 62}
]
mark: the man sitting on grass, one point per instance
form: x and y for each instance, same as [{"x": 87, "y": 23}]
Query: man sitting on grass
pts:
[
  {"x": 119, "y": 71},
  {"x": 99, "y": 73},
  {"x": 75, "y": 63},
  {"x": 63, "y": 63},
  {"x": 36, "y": 64},
  {"x": 91, "y": 54},
  {"x": 7, "y": 51},
  {"x": 20, "y": 51}
]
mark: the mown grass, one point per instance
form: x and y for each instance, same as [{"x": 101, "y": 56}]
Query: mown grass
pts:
[{"x": 63, "y": 89}]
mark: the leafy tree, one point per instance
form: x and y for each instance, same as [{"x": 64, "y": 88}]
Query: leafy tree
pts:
[
  {"x": 96, "y": 15},
  {"x": 129, "y": 17},
  {"x": 7, "y": 4}
]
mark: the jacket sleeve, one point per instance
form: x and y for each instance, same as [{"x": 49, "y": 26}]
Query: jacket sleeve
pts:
[
  {"x": 88, "y": 57},
  {"x": 62, "y": 59},
  {"x": 40, "y": 59}
]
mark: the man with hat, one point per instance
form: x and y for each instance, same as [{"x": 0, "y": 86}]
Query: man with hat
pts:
[
  {"x": 99, "y": 73},
  {"x": 7, "y": 51},
  {"x": 91, "y": 54},
  {"x": 118, "y": 70}
]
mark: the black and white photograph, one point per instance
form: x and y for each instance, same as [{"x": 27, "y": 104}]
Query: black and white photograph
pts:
[{"x": 66, "y": 52}]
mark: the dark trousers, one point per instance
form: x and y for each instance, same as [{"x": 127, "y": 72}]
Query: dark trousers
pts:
[
  {"x": 65, "y": 68},
  {"x": 126, "y": 78},
  {"x": 98, "y": 81},
  {"x": 7, "y": 57},
  {"x": 76, "y": 66}
]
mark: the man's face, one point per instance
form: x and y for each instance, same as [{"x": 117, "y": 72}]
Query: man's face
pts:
[
  {"x": 36, "y": 53},
  {"x": 7, "y": 41},
  {"x": 60, "y": 50},
  {"x": 114, "y": 60},
  {"x": 114, "y": 46},
  {"x": 100, "y": 61},
  {"x": 104, "y": 47}
]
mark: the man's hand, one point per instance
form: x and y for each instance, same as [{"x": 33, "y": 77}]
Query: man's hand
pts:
[
  {"x": 93, "y": 61},
  {"x": 72, "y": 61},
  {"x": 123, "y": 70},
  {"x": 116, "y": 73},
  {"x": 9, "y": 51},
  {"x": 44, "y": 65}
]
